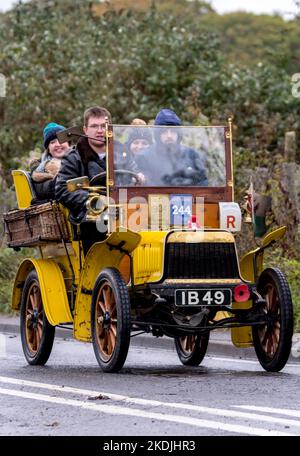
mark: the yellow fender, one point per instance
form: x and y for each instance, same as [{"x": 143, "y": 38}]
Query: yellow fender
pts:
[
  {"x": 251, "y": 265},
  {"x": 242, "y": 337},
  {"x": 53, "y": 289},
  {"x": 104, "y": 254}
]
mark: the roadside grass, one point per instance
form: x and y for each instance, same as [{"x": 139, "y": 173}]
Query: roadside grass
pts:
[{"x": 9, "y": 263}]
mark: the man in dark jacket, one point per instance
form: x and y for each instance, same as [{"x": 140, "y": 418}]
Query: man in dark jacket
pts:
[
  {"x": 171, "y": 163},
  {"x": 86, "y": 159}
]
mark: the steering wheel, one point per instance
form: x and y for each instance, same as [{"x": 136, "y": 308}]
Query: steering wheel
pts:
[
  {"x": 100, "y": 179},
  {"x": 189, "y": 176}
]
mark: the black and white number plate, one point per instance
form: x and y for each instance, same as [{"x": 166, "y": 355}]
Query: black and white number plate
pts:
[{"x": 204, "y": 297}]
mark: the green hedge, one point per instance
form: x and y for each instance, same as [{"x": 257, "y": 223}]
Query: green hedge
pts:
[{"x": 9, "y": 263}]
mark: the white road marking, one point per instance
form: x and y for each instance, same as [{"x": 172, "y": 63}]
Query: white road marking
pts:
[
  {"x": 115, "y": 410},
  {"x": 155, "y": 403},
  {"x": 244, "y": 361},
  {"x": 66, "y": 389},
  {"x": 288, "y": 412},
  {"x": 232, "y": 360}
]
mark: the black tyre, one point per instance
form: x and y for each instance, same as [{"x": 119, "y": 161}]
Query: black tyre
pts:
[
  {"x": 191, "y": 349},
  {"x": 110, "y": 318},
  {"x": 273, "y": 341},
  {"x": 37, "y": 334}
]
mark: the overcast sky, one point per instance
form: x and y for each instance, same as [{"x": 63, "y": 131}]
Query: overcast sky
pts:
[{"x": 256, "y": 6}]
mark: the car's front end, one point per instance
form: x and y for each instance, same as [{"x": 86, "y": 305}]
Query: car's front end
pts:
[{"x": 188, "y": 282}]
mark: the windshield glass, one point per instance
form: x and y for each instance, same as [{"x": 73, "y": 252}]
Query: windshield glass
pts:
[{"x": 156, "y": 156}]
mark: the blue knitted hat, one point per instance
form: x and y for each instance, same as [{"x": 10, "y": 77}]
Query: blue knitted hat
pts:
[
  {"x": 50, "y": 131},
  {"x": 167, "y": 117}
]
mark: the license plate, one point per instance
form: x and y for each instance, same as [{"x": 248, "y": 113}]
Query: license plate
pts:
[{"x": 204, "y": 297}]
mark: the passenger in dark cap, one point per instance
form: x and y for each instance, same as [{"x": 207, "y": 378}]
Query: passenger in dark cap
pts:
[
  {"x": 139, "y": 139},
  {"x": 181, "y": 164},
  {"x": 132, "y": 154}
]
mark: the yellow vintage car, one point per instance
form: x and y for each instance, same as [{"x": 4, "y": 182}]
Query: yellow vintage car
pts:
[{"x": 165, "y": 261}]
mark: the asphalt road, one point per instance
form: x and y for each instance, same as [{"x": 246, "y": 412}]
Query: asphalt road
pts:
[{"x": 154, "y": 395}]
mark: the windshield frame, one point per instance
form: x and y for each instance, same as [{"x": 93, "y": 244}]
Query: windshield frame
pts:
[{"x": 211, "y": 194}]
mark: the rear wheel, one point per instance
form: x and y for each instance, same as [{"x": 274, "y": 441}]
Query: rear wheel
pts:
[
  {"x": 37, "y": 334},
  {"x": 273, "y": 340},
  {"x": 110, "y": 318},
  {"x": 191, "y": 349}
]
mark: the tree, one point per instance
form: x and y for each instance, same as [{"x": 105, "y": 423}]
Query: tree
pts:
[{"x": 60, "y": 57}]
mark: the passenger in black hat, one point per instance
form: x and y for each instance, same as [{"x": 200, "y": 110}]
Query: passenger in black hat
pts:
[
  {"x": 139, "y": 139},
  {"x": 130, "y": 157}
]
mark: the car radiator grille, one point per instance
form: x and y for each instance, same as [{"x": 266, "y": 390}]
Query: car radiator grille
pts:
[{"x": 201, "y": 261}]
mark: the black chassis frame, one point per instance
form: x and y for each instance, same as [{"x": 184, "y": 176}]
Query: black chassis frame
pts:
[{"x": 160, "y": 319}]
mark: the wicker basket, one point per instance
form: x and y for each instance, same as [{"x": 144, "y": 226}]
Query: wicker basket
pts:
[{"x": 35, "y": 226}]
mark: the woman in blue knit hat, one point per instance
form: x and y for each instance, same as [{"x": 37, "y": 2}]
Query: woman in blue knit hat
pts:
[
  {"x": 53, "y": 148},
  {"x": 45, "y": 173}
]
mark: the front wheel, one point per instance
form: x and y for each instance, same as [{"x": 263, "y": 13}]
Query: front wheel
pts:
[
  {"x": 37, "y": 334},
  {"x": 110, "y": 319},
  {"x": 191, "y": 349},
  {"x": 273, "y": 340}
]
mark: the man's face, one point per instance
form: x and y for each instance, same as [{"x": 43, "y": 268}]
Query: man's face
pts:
[
  {"x": 95, "y": 128},
  {"x": 56, "y": 149},
  {"x": 169, "y": 136}
]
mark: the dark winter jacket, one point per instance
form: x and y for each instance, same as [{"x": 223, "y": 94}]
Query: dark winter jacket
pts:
[
  {"x": 45, "y": 191},
  {"x": 81, "y": 161},
  {"x": 177, "y": 165},
  {"x": 43, "y": 184}
]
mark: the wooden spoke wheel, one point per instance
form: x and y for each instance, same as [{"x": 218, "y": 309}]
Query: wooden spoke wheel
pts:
[
  {"x": 191, "y": 349},
  {"x": 37, "y": 334},
  {"x": 110, "y": 317},
  {"x": 273, "y": 339}
]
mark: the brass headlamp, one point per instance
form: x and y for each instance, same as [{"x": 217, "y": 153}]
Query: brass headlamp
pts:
[{"x": 96, "y": 204}]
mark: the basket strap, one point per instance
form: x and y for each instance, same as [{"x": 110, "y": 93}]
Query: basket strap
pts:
[
  {"x": 26, "y": 218},
  {"x": 56, "y": 210},
  {"x": 7, "y": 230}
]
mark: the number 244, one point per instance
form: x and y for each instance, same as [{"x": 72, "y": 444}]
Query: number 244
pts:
[{"x": 176, "y": 210}]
